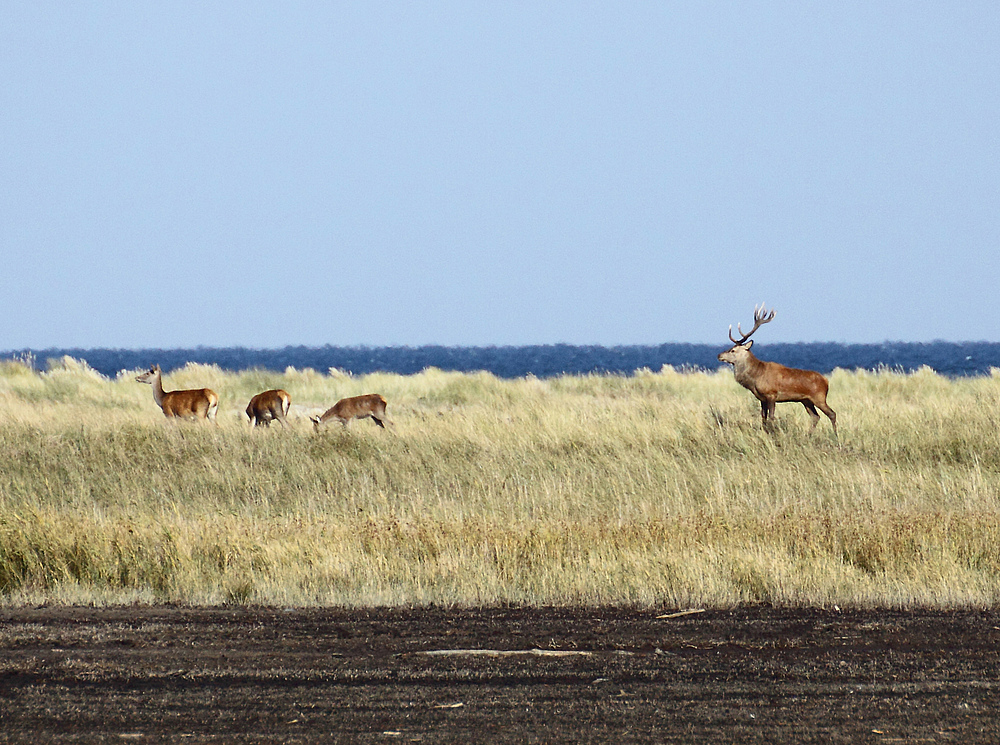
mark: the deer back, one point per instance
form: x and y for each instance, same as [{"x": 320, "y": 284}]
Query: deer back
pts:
[{"x": 197, "y": 403}]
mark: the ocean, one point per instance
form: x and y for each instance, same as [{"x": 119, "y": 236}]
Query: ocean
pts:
[{"x": 953, "y": 359}]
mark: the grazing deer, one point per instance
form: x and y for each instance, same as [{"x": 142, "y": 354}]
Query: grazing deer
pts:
[
  {"x": 269, "y": 406},
  {"x": 772, "y": 383},
  {"x": 357, "y": 407},
  {"x": 200, "y": 403}
]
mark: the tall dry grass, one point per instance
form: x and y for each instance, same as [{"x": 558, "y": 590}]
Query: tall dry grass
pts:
[{"x": 655, "y": 489}]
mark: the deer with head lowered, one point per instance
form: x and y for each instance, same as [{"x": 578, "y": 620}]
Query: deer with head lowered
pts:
[
  {"x": 200, "y": 403},
  {"x": 772, "y": 383},
  {"x": 269, "y": 406},
  {"x": 356, "y": 407}
]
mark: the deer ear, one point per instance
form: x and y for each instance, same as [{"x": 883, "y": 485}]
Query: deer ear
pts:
[{"x": 749, "y": 344}]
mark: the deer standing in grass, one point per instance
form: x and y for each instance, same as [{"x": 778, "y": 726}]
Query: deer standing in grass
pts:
[
  {"x": 356, "y": 407},
  {"x": 772, "y": 383},
  {"x": 269, "y": 406},
  {"x": 200, "y": 403}
]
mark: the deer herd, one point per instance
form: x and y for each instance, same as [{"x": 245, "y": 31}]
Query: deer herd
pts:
[
  {"x": 770, "y": 382},
  {"x": 264, "y": 408}
]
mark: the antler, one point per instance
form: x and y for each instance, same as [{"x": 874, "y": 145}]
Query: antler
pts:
[{"x": 760, "y": 317}]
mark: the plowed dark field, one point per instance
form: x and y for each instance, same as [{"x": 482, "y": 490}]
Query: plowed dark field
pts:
[{"x": 188, "y": 675}]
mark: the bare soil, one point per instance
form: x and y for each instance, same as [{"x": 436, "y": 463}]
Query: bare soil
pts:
[{"x": 433, "y": 675}]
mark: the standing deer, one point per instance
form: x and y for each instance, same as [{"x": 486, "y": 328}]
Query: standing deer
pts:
[
  {"x": 200, "y": 403},
  {"x": 772, "y": 383},
  {"x": 269, "y": 406},
  {"x": 357, "y": 407}
]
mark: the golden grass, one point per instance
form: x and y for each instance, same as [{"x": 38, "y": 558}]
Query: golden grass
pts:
[{"x": 650, "y": 490}]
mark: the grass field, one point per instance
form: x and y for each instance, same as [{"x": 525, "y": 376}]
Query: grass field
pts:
[{"x": 658, "y": 489}]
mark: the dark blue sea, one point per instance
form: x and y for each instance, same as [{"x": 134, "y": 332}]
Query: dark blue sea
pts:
[{"x": 953, "y": 359}]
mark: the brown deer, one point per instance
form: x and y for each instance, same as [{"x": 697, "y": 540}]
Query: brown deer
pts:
[
  {"x": 269, "y": 406},
  {"x": 357, "y": 407},
  {"x": 200, "y": 403},
  {"x": 772, "y": 383}
]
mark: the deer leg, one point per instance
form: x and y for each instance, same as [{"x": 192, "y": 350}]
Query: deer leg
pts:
[
  {"x": 812, "y": 413},
  {"x": 378, "y": 422},
  {"x": 767, "y": 413},
  {"x": 830, "y": 413}
]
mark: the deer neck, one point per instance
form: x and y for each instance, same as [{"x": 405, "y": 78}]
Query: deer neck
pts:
[
  {"x": 747, "y": 370},
  {"x": 158, "y": 389}
]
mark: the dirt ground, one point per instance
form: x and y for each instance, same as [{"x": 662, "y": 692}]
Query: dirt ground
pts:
[{"x": 192, "y": 675}]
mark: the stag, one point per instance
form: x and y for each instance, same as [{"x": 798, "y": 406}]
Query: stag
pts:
[{"x": 773, "y": 383}]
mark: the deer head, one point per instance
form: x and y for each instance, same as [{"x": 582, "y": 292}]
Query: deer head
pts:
[
  {"x": 149, "y": 376},
  {"x": 741, "y": 347}
]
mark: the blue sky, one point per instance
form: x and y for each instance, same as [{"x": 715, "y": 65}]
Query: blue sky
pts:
[{"x": 466, "y": 173}]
